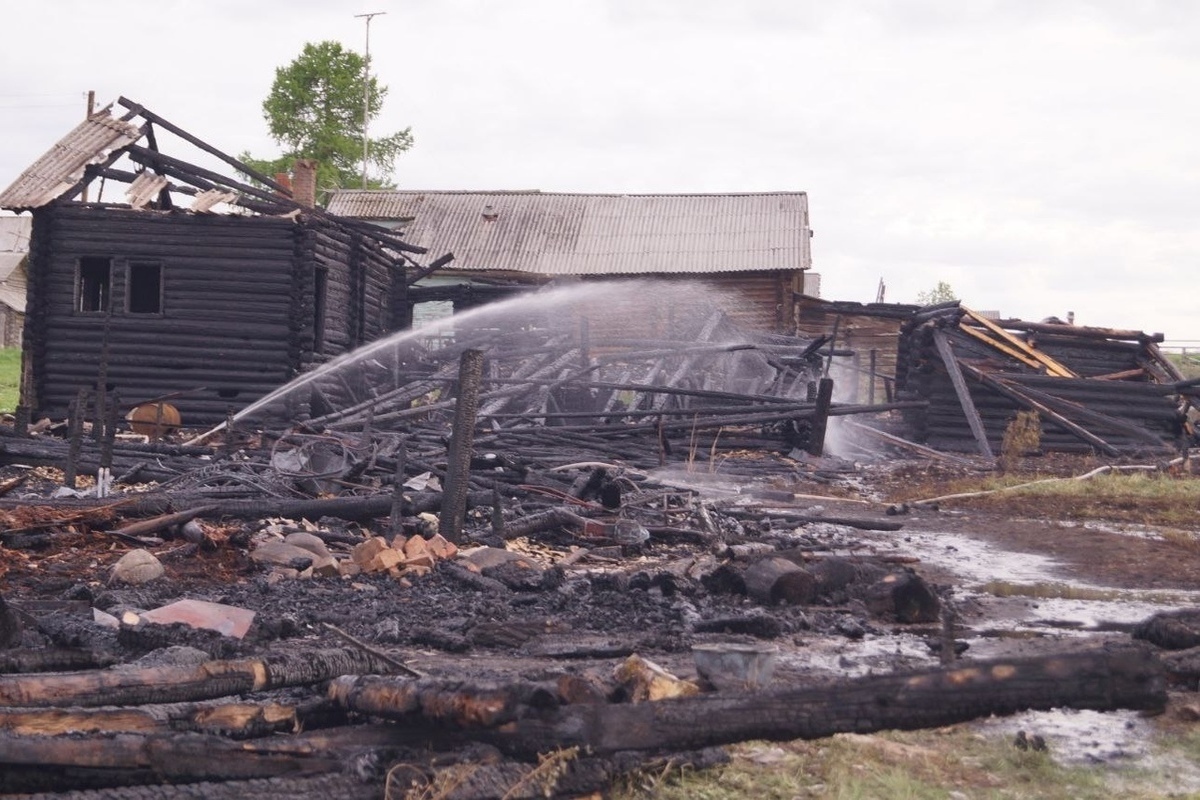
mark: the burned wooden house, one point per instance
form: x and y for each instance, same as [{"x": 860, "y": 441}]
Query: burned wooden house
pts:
[
  {"x": 752, "y": 248},
  {"x": 190, "y": 285},
  {"x": 1099, "y": 390}
]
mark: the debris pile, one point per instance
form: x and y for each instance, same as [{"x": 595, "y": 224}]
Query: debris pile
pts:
[{"x": 528, "y": 562}]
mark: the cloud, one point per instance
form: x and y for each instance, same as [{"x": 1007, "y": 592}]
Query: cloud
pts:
[{"x": 1040, "y": 157}]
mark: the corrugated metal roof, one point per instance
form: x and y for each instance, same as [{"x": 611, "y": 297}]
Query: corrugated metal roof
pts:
[
  {"x": 62, "y": 166},
  {"x": 14, "y": 234},
  {"x": 597, "y": 234}
]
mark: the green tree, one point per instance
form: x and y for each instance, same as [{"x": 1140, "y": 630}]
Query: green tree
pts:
[
  {"x": 315, "y": 110},
  {"x": 942, "y": 293}
]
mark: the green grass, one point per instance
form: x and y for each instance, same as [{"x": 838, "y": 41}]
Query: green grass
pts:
[
  {"x": 1146, "y": 497},
  {"x": 1188, "y": 365},
  {"x": 921, "y": 765},
  {"x": 10, "y": 378}
]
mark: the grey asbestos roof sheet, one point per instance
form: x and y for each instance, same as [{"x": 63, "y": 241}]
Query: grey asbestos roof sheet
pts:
[
  {"x": 62, "y": 166},
  {"x": 596, "y": 234},
  {"x": 14, "y": 234}
]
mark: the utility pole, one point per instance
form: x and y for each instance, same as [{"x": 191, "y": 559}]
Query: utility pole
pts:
[
  {"x": 367, "y": 88},
  {"x": 91, "y": 109}
]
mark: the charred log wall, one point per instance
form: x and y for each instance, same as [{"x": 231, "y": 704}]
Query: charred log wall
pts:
[{"x": 224, "y": 321}]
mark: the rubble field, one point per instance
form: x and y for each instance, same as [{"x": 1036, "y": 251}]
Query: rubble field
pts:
[{"x": 566, "y": 594}]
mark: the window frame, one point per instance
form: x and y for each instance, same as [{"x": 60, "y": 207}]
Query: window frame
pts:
[{"x": 138, "y": 264}]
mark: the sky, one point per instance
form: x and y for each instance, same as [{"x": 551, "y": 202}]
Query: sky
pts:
[{"x": 1041, "y": 157}]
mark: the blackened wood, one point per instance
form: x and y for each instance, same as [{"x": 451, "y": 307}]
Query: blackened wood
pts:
[
  {"x": 396, "y": 518},
  {"x": 1058, "y": 419},
  {"x": 964, "y": 395},
  {"x": 168, "y": 684},
  {"x": 456, "y": 704},
  {"x": 172, "y": 757},
  {"x": 181, "y": 133},
  {"x": 772, "y": 581},
  {"x": 902, "y": 596},
  {"x": 454, "y": 504},
  {"x": 77, "y": 411},
  {"x": 820, "y": 417},
  {"x": 1101, "y": 680},
  {"x": 51, "y": 659}
]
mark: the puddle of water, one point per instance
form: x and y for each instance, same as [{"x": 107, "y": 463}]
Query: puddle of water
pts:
[
  {"x": 1044, "y": 598},
  {"x": 1120, "y": 739}
]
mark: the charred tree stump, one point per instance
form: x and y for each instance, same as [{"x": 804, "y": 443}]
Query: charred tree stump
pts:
[{"x": 903, "y": 596}]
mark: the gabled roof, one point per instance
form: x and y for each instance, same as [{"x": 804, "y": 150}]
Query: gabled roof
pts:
[
  {"x": 596, "y": 234},
  {"x": 157, "y": 181},
  {"x": 63, "y": 165}
]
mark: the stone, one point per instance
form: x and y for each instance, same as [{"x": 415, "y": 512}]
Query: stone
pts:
[
  {"x": 307, "y": 541},
  {"x": 137, "y": 567},
  {"x": 282, "y": 554},
  {"x": 486, "y": 557}
]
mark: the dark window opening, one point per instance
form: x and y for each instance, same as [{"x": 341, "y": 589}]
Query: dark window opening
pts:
[
  {"x": 320, "y": 282},
  {"x": 144, "y": 290},
  {"x": 93, "y": 284}
]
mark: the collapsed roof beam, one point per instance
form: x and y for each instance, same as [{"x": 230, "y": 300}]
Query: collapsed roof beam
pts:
[
  {"x": 208, "y": 148},
  {"x": 182, "y": 169}
]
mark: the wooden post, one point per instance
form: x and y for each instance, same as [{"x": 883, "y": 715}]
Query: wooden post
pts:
[
  {"x": 820, "y": 421},
  {"x": 76, "y": 414},
  {"x": 21, "y": 421},
  {"x": 102, "y": 380},
  {"x": 871, "y": 377},
  {"x": 104, "y": 473},
  {"x": 497, "y": 511},
  {"x": 395, "y": 523},
  {"x": 462, "y": 437}
]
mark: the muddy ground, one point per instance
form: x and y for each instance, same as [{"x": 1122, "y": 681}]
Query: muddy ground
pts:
[{"x": 1020, "y": 576}]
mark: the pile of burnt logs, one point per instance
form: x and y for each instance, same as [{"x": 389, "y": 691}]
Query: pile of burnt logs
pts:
[
  {"x": 1092, "y": 389},
  {"x": 562, "y": 395},
  {"x": 353, "y": 722}
]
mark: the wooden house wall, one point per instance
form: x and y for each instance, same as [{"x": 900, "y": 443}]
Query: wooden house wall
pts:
[
  {"x": 228, "y": 297},
  {"x": 754, "y": 301}
]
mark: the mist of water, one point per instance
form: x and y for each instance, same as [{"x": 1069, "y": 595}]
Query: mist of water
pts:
[{"x": 588, "y": 317}]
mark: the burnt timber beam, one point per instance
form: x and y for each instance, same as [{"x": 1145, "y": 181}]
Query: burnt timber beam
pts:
[
  {"x": 150, "y": 116},
  {"x": 942, "y": 343}
]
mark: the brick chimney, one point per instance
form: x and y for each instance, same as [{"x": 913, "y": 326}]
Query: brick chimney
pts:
[
  {"x": 304, "y": 182},
  {"x": 284, "y": 180}
]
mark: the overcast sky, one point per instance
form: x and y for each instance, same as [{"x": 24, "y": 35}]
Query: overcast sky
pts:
[{"x": 1040, "y": 156}]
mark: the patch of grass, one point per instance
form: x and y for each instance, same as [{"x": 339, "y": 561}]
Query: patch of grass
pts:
[
  {"x": 920, "y": 765},
  {"x": 10, "y": 378},
  {"x": 1067, "y": 591},
  {"x": 1147, "y": 497}
]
